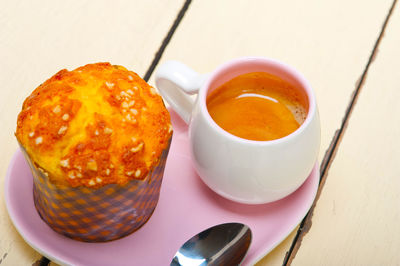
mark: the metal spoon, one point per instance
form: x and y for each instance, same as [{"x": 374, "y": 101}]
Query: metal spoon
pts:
[{"x": 223, "y": 244}]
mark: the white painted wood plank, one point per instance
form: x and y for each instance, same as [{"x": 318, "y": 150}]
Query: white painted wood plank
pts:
[
  {"x": 356, "y": 220},
  {"x": 37, "y": 39}
]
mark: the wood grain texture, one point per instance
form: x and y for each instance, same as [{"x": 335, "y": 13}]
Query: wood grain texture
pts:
[
  {"x": 356, "y": 219},
  {"x": 39, "y": 39},
  {"x": 329, "y": 42},
  {"x": 335, "y": 143}
]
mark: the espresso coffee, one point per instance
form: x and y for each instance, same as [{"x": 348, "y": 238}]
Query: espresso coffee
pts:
[{"x": 258, "y": 106}]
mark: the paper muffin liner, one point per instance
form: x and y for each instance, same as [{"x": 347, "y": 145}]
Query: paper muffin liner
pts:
[{"x": 97, "y": 215}]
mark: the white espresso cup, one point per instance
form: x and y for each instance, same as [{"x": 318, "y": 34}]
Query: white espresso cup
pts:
[{"x": 242, "y": 170}]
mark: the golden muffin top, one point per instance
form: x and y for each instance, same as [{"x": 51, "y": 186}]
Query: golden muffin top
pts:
[{"x": 98, "y": 124}]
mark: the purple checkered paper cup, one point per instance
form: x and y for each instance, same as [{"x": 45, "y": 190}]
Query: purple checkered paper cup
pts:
[{"x": 97, "y": 215}]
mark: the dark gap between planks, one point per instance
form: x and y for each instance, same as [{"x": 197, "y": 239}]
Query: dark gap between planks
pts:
[
  {"x": 327, "y": 160},
  {"x": 166, "y": 40}
]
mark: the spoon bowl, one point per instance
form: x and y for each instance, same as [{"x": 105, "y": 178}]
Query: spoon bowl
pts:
[{"x": 223, "y": 244}]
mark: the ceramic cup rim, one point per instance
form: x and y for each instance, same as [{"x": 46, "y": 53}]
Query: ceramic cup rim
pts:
[{"x": 268, "y": 62}]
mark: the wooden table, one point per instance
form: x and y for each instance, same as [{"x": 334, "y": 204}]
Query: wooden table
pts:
[{"x": 348, "y": 50}]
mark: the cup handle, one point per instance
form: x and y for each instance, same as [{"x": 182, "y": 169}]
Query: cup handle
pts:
[{"x": 176, "y": 82}]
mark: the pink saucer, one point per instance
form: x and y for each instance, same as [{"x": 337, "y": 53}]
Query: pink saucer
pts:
[{"x": 185, "y": 208}]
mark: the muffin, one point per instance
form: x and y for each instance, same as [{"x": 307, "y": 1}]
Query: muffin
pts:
[{"x": 96, "y": 139}]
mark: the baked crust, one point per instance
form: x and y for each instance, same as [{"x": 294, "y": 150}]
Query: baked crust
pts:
[{"x": 96, "y": 125}]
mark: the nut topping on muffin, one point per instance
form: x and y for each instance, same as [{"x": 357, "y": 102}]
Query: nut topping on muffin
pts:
[{"x": 99, "y": 124}]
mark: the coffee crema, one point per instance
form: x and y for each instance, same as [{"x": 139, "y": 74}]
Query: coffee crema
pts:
[{"x": 258, "y": 106}]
